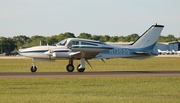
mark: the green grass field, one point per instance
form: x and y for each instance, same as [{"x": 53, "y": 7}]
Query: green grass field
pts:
[{"x": 92, "y": 89}]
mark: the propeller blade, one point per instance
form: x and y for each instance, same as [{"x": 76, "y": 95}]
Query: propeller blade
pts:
[{"x": 49, "y": 52}]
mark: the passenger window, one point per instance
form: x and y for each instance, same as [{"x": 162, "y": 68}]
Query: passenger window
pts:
[
  {"x": 75, "y": 42},
  {"x": 83, "y": 43}
]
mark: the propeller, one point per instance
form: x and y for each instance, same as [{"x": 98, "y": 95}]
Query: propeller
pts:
[{"x": 49, "y": 52}]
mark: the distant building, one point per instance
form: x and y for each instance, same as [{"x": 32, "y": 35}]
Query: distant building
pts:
[
  {"x": 162, "y": 46},
  {"x": 169, "y": 46}
]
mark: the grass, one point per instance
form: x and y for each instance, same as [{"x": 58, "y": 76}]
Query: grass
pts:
[
  {"x": 152, "y": 64},
  {"x": 90, "y": 90}
]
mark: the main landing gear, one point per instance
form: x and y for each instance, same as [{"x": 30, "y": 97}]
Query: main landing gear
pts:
[
  {"x": 80, "y": 67},
  {"x": 69, "y": 67}
]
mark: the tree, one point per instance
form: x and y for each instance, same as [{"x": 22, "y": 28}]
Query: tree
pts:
[
  {"x": 21, "y": 40},
  {"x": 114, "y": 39},
  {"x": 121, "y": 39},
  {"x": 36, "y": 40},
  {"x": 65, "y": 35},
  {"x": 96, "y": 37},
  {"x": 168, "y": 38},
  {"x": 107, "y": 38},
  {"x": 132, "y": 37},
  {"x": 85, "y": 36},
  {"x": 51, "y": 40},
  {"x": 171, "y": 38},
  {"x": 102, "y": 39},
  {"x": 7, "y": 45},
  {"x": 162, "y": 39}
]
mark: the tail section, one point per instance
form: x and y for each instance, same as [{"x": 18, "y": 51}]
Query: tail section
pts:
[{"x": 148, "y": 39}]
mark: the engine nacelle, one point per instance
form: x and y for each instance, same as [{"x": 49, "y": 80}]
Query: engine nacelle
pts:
[{"x": 61, "y": 55}]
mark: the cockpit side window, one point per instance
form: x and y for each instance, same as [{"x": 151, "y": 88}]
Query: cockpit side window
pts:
[{"x": 72, "y": 43}]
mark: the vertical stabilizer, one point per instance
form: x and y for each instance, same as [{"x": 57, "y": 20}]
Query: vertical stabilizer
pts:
[{"x": 148, "y": 39}]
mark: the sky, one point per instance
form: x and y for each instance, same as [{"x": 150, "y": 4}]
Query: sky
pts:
[{"x": 96, "y": 17}]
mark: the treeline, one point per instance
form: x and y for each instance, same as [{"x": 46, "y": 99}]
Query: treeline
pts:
[{"x": 15, "y": 43}]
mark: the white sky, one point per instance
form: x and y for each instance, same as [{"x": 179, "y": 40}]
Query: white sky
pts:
[{"x": 97, "y": 17}]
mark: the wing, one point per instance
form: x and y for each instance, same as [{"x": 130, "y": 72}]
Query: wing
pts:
[
  {"x": 87, "y": 51},
  {"x": 86, "y": 55}
]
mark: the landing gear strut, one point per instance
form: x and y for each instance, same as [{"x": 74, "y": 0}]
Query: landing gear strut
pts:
[{"x": 33, "y": 67}]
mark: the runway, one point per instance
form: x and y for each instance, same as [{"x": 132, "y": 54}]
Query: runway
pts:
[{"x": 89, "y": 74}]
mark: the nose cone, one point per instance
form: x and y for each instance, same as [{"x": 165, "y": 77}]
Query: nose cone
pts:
[
  {"x": 34, "y": 52},
  {"x": 18, "y": 53},
  {"x": 21, "y": 52}
]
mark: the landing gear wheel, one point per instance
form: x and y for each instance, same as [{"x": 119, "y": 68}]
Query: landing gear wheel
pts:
[
  {"x": 70, "y": 68},
  {"x": 33, "y": 69},
  {"x": 80, "y": 69}
]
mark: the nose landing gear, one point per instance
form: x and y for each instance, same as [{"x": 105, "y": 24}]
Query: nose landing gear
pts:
[{"x": 33, "y": 67}]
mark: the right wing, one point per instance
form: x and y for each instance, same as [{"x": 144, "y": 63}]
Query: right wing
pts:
[{"x": 87, "y": 51}]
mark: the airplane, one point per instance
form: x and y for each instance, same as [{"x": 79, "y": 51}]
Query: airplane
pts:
[
  {"x": 162, "y": 52},
  {"x": 167, "y": 52},
  {"x": 175, "y": 52},
  {"x": 85, "y": 49}
]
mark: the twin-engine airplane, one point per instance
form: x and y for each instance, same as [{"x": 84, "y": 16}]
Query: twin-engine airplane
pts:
[{"x": 84, "y": 49}]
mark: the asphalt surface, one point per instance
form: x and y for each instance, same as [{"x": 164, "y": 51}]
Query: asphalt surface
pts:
[{"x": 89, "y": 74}]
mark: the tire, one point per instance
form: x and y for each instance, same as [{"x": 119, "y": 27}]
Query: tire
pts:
[
  {"x": 33, "y": 69},
  {"x": 70, "y": 68},
  {"x": 80, "y": 69}
]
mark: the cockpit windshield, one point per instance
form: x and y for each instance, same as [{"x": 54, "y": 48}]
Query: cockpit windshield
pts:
[{"x": 62, "y": 42}]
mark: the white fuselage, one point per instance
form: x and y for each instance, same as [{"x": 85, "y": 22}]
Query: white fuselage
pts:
[{"x": 39, "y": 52}]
